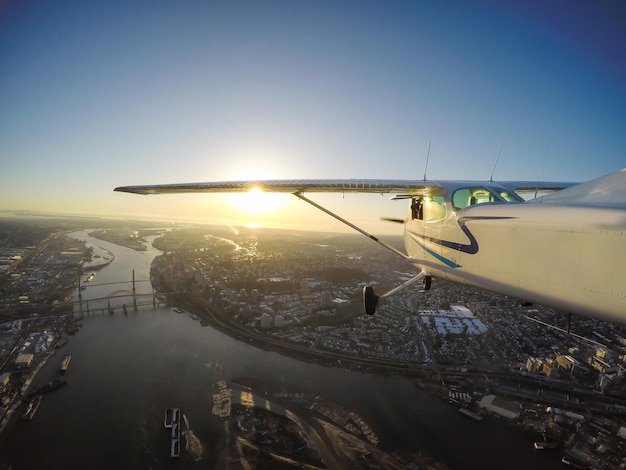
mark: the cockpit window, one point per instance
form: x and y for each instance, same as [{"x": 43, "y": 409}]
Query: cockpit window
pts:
[{"x": 466, "y": 197}]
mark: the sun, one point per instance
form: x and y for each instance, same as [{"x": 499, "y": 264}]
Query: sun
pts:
[
  {"x": 256, "y": 205},
  {"x": 257, "y": 202}
]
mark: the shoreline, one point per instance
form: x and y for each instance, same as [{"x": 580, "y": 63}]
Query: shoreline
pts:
[
  {"x": 108, "y": 261},
  {"x": 8, "y": 418},
  {"x": 325, "y": 358}
]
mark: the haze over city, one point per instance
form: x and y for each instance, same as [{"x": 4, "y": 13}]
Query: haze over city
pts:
[{"x": 96, "y": 96}]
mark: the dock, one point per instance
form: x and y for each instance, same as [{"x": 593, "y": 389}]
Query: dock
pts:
[{"x": 172, "y": 421}]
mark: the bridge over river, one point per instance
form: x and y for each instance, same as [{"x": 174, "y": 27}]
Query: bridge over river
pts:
[{"x": 118, "y": 300}]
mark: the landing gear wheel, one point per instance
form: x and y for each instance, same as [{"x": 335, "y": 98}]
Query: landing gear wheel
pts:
[
  {"x": 370, "y": 300},
  {"x": 426, "y": 282}
]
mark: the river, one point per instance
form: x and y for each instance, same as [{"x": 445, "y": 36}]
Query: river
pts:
[{"x": 126, "y": 369}]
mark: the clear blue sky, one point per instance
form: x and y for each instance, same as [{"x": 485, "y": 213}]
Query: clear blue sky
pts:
[{"x": 95, "y": 95}]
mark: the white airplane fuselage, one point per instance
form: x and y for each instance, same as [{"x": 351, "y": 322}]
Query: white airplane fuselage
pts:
[{"x": 566, "y": 257}]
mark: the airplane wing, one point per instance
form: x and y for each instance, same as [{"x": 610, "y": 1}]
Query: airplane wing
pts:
[
  {"x": 400, "y": 188},
  {"x": 527, "y": 187},
  {"x": 292, "y": 186}
]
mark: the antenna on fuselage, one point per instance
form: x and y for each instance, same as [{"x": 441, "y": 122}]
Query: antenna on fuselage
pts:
[
  {"x": 427, "y": 157},
  {"x": 496, "y": 164},
  {"x": 545, "y": 158}
]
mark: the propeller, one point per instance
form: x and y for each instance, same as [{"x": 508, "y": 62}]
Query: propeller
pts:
[{"x": 392, "y": 219}]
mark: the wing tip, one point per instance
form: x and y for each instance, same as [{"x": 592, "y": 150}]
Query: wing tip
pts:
[{"x": 129, "y": 189}]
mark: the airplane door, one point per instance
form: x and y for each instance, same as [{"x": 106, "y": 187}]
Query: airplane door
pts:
[
  {"x": 423, "y": 230},
  {"x": 434, "y": 216}
]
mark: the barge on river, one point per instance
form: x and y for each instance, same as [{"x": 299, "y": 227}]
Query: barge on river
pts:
[
  {"x": 32, "y": 407},
  {"x": 65, "y": 363}
]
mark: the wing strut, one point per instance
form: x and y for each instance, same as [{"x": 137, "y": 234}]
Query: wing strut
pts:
[
  {"x": 371, "y": 300},
  {"x": 351, "y": 225},
  {"x": 419, "y": 277}
]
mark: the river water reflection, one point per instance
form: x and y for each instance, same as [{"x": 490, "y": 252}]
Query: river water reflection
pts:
[{"x": 126, "y": 369}]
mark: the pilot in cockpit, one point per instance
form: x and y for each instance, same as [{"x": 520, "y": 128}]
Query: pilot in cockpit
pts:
[{"x": 417, "y": 208}]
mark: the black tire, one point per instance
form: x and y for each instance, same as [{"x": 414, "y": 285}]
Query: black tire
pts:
[
  {"x": 370, "y": 300},
  {"x": 426, "y": 282}
]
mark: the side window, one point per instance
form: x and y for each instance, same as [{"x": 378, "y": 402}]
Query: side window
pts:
[
  {"x": 428, "y": 208},
  {"x": 466, "y": 197},
  {"x": 461, "y": 198},
  {"x": 434, "y": 208}
]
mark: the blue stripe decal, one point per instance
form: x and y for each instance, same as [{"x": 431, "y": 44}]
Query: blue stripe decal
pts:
[{"x": 446, "y": 261}]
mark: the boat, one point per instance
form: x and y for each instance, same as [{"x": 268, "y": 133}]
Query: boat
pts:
[
  {"x": 52, "y": 385},
  {"x": 32, "y": 407},
  {"x": 572, "y": 462},
  {"x": 169, "y": 416},
  {"x": 470, "y": 414},
  {"x": 175, "y": 452},
  {"x": 62, "y": 342},
  {"x": 65, "y": 363},
  {"x": 90, "y": 277},
  {"x": 545, "y": 445}
]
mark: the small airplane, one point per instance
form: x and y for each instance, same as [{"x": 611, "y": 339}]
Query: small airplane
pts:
[{"x": 565, "y": 250}]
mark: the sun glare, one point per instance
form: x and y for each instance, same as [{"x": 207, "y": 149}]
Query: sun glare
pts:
[
  {"x": 253, "y": 225},
  {"x": 257, "y": 202}
]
